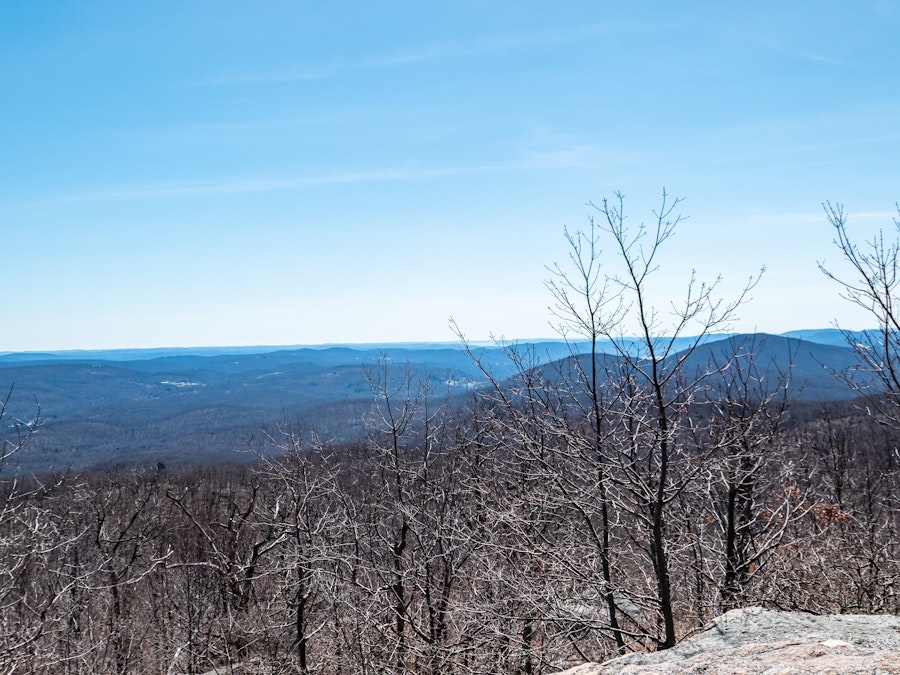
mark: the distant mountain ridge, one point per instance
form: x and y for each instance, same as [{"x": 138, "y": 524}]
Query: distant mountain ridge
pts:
[
  {"x": 102, "y": 408},
  {"x": 555, "y": 346}
]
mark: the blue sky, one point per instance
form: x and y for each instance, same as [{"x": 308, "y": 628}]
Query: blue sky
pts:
[{"x": 221, "y": 173}]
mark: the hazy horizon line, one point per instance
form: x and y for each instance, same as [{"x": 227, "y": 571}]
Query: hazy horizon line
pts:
[{"x": 488, "y": 342}]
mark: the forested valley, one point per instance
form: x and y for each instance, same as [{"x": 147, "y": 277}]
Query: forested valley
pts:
[{"x": 569, "y": 511}]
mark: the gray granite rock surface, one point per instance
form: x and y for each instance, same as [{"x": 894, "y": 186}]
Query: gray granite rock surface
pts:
[{"x": 756, "y": 641}]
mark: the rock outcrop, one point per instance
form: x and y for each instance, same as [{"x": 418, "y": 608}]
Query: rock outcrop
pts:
[{"x": 757, "y": 641}]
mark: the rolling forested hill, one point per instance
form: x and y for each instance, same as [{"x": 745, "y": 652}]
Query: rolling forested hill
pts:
[{"x": 101, "y": 409}]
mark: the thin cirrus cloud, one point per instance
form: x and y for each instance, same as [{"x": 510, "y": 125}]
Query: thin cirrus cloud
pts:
[
  {"x": 275, "y": 129},
  {"x": 563, "y": 158},
  {"x": 159, "y": 189},
  {"x": 577, "y": 157},
  {"x": 438, "y": 51},
  {"x": 804, "y": 150},
  {"x": 795, "y": 52}
]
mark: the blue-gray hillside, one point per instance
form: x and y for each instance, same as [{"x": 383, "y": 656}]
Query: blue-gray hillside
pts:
[
  {"x": 182, "y": 406},
  {"x": 810, "y": 371}
]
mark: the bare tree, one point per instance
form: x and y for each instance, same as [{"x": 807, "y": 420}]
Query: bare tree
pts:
[
  {"x": 855, "y": 515},
  {"x": 752, "y": 499},
  {"x": 233, "y": 543},
  {"x": 612, "y": 433},
  {"x": 872, "y": 285},
  {"x": 33, "y": 536},
  {"x": 303, "y": 507},
  {"x": 585, "y": 307},
  {"x": 656, "y": 385}
]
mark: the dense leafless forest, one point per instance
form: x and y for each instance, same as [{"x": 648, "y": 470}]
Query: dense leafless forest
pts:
[{"x": 600, "y": 504}]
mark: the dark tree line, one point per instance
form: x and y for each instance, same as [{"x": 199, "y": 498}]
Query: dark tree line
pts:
[{"x": 581, "y": 509}]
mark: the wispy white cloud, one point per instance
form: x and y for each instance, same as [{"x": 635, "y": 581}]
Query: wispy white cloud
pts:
[
  {"x": 806, "y": 149},
  {"x": 245, "y": 185},
  {"x": 277, "y": 129},
  {"x": 580, "y": 157},
  {"x": 437, "y": 51},
  {"x": 827, "y": 53},
  {"x": 808, "y": 219},
  {"x": 885, "y": 216},
  {"x": 863, "y": 129},
  {"x": 562, "y": 158},
  {"x": 230, "y": 132},
  {"x": 794, "y": 51},
  {"x": 547, "y": 147}
]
